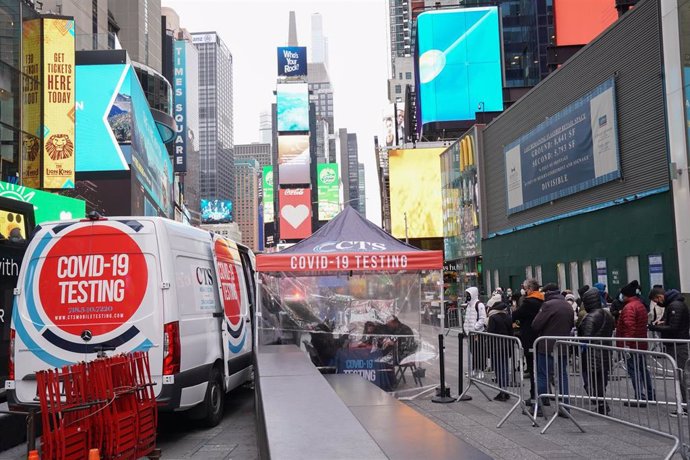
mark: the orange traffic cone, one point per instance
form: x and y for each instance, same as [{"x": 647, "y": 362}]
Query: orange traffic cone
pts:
[
  {"x": 94, "y": 454},
  {"x": 33, "y": 455}
]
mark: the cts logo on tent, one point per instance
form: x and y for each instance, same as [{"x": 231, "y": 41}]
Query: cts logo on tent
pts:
[{"x": 349, "y": 246}]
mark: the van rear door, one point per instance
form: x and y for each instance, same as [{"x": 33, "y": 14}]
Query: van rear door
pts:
[
  {"x": 86, "y": 285},
  {"x": 232, "y": 286}
]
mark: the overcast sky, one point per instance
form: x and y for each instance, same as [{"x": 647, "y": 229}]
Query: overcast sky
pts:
[{"x": 358, "y": 62}]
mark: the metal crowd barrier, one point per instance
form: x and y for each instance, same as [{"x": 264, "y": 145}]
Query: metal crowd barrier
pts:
[
  {"x": 637, "y": 388},
  {"x": 496, "y": 362}
]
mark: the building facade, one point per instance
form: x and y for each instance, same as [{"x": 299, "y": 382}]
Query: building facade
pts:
[
  {"x": 215, "y": 117},
  {"x": 258, "y": 151},
  {"x": 362, "y": 190},
  {"x": 140, "y": 30},
  {"x": 248, "y": 175},
  {"x": 612, "y": 223},
  {"x": 265, "y": 127},
  {"x": 321, "y": 95},
  {"x": 349, "y": 168}
]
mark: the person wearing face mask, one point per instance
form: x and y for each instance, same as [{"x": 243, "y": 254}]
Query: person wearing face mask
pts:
[
  {"x": 525, "y": 313},
  {"x": 475, "y": 321},
  {"x": 632, "y": 323},
  {"x": 656, "y": 309}
]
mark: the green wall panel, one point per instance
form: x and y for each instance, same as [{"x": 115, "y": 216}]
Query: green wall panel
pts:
[{"x": 638, "y": 228}]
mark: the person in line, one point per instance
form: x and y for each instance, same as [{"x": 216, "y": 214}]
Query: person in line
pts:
[
  {"x": 632, "y": 323},
  {"x": 555, "y": 318},
  {"x": 675, "y": 325},
  {"x": 500, "y": 351},
  {"x": 656, "y": 310},
  {"x": 580, "y": 310},
  {"x": 402, "y": 338},
  {"x": 524, "y": 315},
  {"x": 602, "y": 292},
  {"x": 570, "y": 298},
  {"x": 475, "y": 321},
  {"x": 596, "y": 363}
]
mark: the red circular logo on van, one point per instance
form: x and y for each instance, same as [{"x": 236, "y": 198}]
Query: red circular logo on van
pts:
[
  {"x": 95, "y": 278},
  {"x": 229, "y": 281}
]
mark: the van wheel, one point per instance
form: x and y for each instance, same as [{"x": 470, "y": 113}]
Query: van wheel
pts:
[{"x": 214, "y": 401}]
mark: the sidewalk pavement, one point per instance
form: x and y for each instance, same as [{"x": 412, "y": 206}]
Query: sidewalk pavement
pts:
[{"x": 475, "y": 422}]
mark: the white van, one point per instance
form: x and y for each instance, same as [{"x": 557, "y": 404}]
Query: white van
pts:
[{"x": 136, "y": 283}]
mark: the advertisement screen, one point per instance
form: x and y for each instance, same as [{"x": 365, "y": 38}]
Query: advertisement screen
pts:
[
  {"x": 31, "y": 107},
  {"x": 267, "y": 179},
  {"x": 295, "y": 213},
  {"x": 47, "y": 206},
  {"x": 459, "y": 63},
  {"x": 104, "y": 117},
  {"x": 216, "y": 211},
  {"x": 422, "y": 203},
  {"x": 572, "y": 151},
  {"x": 180, "y": 105},
  {"x": 578, "y": 22},
  {"x": 58, "y": 103},
  {"x": 328, "y": 190},
  {"x": 293, "y": 159},
  {"x": 150, "y": 161},
  {"x": 292, "y": 61},
  {"x": 292, "y": 101}
]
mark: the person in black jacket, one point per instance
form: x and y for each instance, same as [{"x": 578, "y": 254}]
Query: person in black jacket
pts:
[
  {"x": 524, "y": 315},
  {"x": 596, "y": 363},
  {"x": 674, "y": 325},
  {"x": 500, "y": 350}
]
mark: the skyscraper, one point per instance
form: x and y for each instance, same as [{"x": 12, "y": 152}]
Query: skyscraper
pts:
[
  {"x": 248, "y": 174},
  {"x": 140, "y": 29},
  {"x": 349, "y": 167},
  {"x": 265, "y": 127},
  {"x": 215, "y": 117},
  {"x": 321, "y": 94},
  {"x": 319, "y": 43},
  {"x": 362, "y": 190},
  {"x": 258, "y": 151}
]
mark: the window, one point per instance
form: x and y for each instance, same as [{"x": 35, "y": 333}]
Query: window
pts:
[
  {"x": 408, "y": 75},
  {"x": 574, "y": 278},
  {"x": 398, "y": 89},
  {"x": 632, "y": 265},
  {"x": 528, "y": 272},
  {"x": 537, "y": 274},
  {"x": 562, "y": 281},
  {"x": 488, "y": 281},
  {"x": 587, "y": 273},
  {"x": 497, "y": 281}
]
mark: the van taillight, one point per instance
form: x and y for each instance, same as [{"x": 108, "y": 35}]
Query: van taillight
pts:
[
  {"x": 11, "y": 361},
  {"x": 171, "y": 348}
]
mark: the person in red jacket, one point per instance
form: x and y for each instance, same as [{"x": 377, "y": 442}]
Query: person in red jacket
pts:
[{"x": 632, "y": 323}]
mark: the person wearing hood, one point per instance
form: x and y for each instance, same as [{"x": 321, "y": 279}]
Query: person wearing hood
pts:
[
  {"x": 500, "y": 323},
  {"x": 555, "y": 318},
  {"x": 475, "y": 321},
  {"x": 570, "y": 298},
  {"x": 525, "y": 314},
  {"x": 581, "y": 312},
  {"x": 674, "y": 325},
  {"x": 601, "y": 287},
  {"x": 632, "y": 323},
  {"x": 596, "y": 363}
]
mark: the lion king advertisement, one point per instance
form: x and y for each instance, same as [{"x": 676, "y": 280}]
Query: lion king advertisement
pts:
[
  {"x": 31, "y": 101},
  {"x": 58, "y": 100}
]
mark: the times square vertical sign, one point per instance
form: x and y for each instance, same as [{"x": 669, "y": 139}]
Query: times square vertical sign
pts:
[{"x": 180, "y": 106}]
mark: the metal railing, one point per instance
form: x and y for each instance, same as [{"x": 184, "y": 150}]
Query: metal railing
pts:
[
  {"x": 616, "y": 379},
  {"x": 496, "y": 362}
]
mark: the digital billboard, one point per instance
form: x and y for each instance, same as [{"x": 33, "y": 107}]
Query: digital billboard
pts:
[
  {"x": 328, "y": 190},
  {"x": 31, "y": 103},
  {"x": 295, "y": 213},
  {"x": 47, "y": 206},
  {"x": 216, "y": 211},
  {"x": 459, "y": 63},
  {"x": 292, "y": 61},
  {"x": 267, "y": 183},
  {"x": 293, "y": 159},
  {"x": 180, "y": 105},
  {"x": 575, "y": 149},
  {"x": 578, "y": 22},
  {"x": 104, "y": 120},
  {"x": 421, "y": 203},
  {"x": 292, "y": 105},
  {"x": 151, "y": 164},
  {"x": 58, "y": 103}
]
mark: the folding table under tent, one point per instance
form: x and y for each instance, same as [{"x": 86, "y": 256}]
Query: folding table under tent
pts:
[{"x": 336, "y": 294}]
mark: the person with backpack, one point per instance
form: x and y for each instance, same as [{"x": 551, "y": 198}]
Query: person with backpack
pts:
[
  {"x": 524, "y": 315},
  {"x": 475, "y": 321},
  {"x": 500, "y": 323}
]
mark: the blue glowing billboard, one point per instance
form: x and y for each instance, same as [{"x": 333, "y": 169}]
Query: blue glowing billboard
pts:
[
  {"x": 459, "y": 63},
  {"x": 292, "y": 61},
  {"x": 103, "y": 117},
  {"x": 216, "y": 211},
  {"x": 292, "y": 102}
]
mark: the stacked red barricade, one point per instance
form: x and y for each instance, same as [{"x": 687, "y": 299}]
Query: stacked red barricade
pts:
[{"x": 106, "y": 404}]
